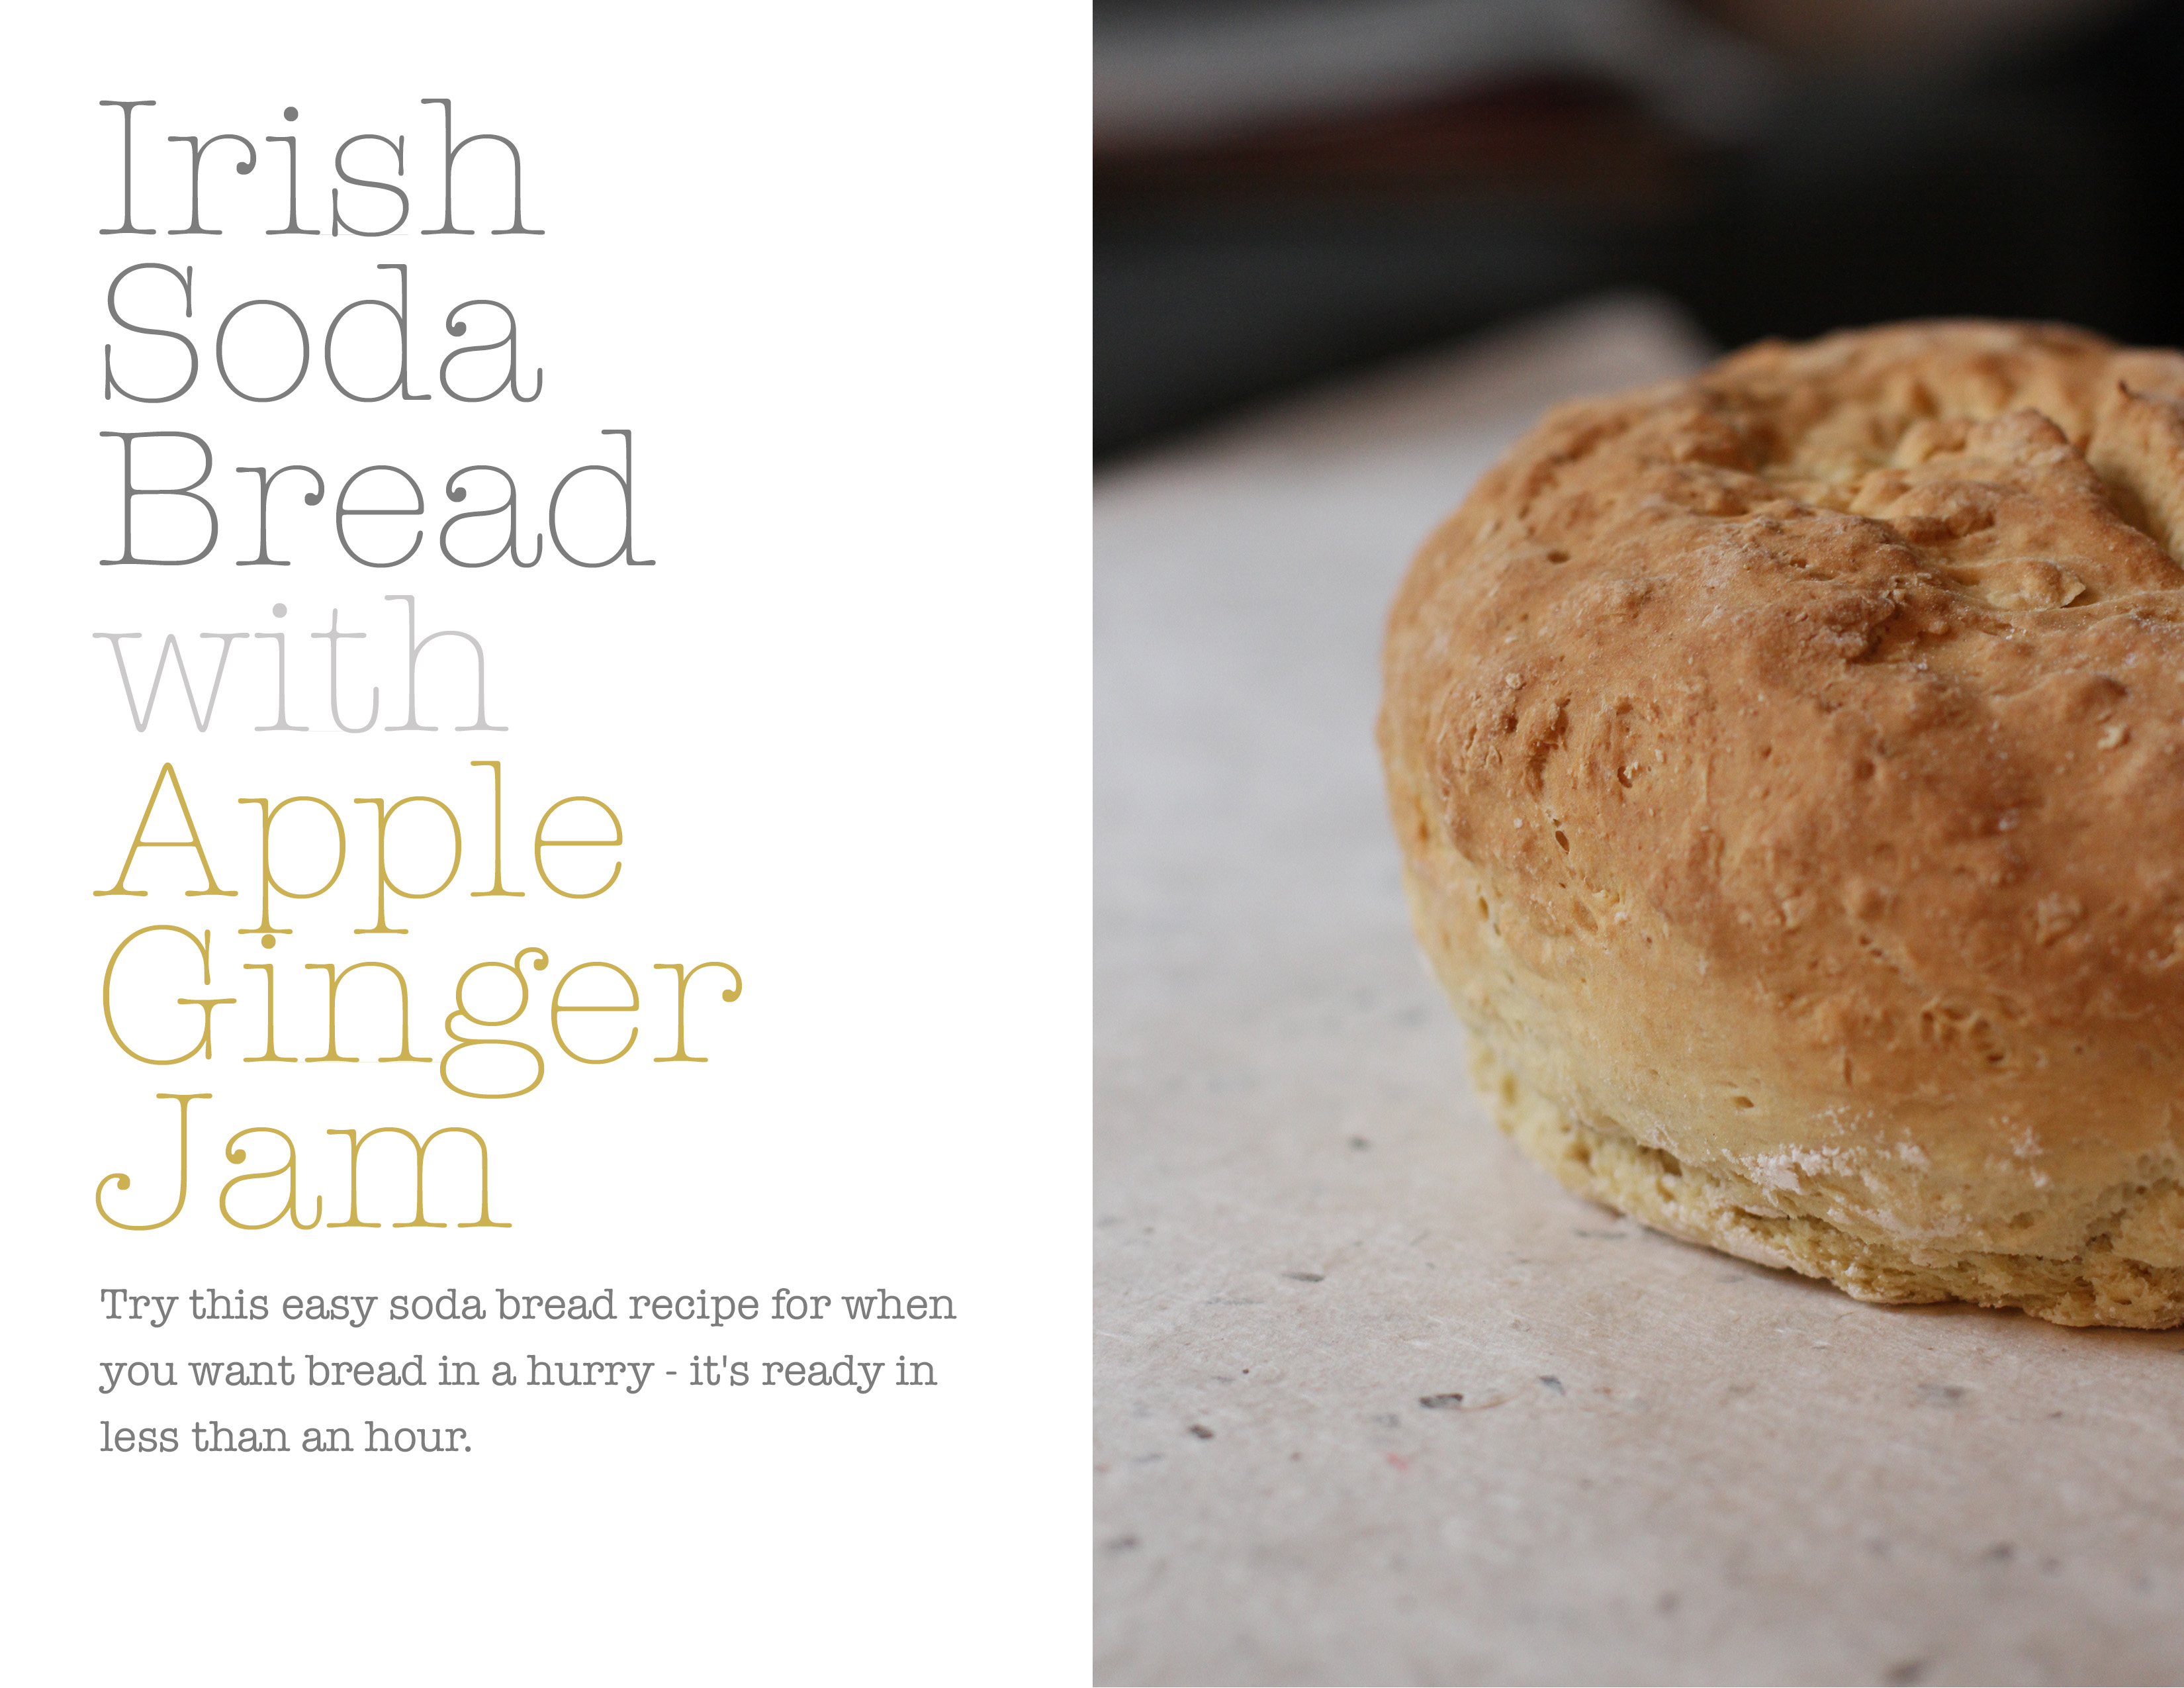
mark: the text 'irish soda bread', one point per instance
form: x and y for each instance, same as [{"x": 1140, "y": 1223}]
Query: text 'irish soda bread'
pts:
[{"x": 1789, "y": 769}]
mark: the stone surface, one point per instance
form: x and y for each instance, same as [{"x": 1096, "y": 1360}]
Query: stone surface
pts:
[{"x": 1376, "y": 1401}]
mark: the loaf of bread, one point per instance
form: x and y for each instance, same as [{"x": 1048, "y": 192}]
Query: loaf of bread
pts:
[{"x": 1788, "y": 768}]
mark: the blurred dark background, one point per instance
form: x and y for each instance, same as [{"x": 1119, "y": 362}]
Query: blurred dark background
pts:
[{"x": 1287, "y": 189}]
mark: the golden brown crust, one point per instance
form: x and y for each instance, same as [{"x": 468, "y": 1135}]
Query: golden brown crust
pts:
[{"x": 1788, "y": 766}]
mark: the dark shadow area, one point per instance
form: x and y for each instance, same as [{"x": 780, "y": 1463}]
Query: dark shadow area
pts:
[{"x": 1771, "y": 185}]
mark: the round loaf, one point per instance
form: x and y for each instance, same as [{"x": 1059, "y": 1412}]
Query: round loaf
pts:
[{"x": 1788, "y": 765}]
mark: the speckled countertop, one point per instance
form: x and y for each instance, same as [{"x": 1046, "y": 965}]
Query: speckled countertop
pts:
[{"x": 1376, "y": 1402}]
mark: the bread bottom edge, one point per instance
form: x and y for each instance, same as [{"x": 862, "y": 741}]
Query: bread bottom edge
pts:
[{"x": 1723, "y": 1211}]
